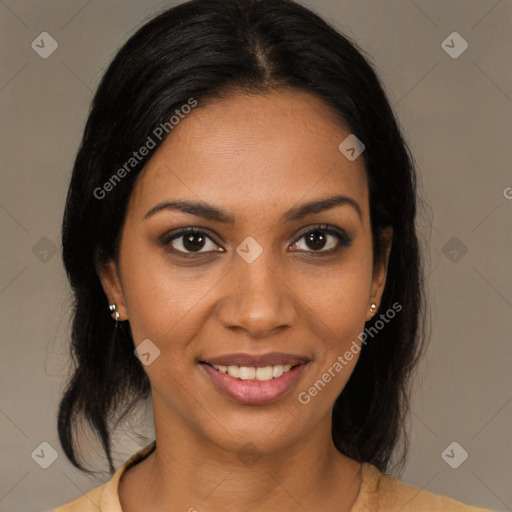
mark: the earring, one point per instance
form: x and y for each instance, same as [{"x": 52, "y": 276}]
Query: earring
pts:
[
  {"x": 113, "y": 312},
  {"x": 373, "y": 307}
]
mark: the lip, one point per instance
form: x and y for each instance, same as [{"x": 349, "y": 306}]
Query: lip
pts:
[
  {"x": 256, "y": 360},
  {"x": 254, "y": 392}
]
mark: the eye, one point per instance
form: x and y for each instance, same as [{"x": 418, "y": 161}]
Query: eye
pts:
[
  {"x": 190, "y": 241},
  {"x": 323, "y": 239}
]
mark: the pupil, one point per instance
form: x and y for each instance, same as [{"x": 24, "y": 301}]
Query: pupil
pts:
[
  {"x": 190, "y": 245},
  {"x": 316, "y": 240}
]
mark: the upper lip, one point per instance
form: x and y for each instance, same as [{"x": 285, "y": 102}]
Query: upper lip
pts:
[{"x": 256, "y": 361}]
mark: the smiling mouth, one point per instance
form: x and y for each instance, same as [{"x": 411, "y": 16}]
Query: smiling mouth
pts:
[
  {"x": 261, "y": 373},
  {"x": 255, "y": 385}
]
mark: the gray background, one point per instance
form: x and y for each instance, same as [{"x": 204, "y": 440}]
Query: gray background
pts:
[{"x": 456, "y": 115}]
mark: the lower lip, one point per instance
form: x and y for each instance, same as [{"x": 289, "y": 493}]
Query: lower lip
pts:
[{"x": 255, "y": 392}]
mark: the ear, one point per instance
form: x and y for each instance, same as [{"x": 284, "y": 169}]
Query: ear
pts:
[
  {"x": 108, "y": 274},
  {"x": 380, "y": 270}
]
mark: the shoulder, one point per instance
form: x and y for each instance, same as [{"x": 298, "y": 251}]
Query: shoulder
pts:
[
  {"x": 90, "y": 501},
  {"x": 385, "y": 493},
  {"x": 105, "y": 498}
]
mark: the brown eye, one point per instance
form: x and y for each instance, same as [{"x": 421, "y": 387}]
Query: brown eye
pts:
[
  {"x": 190, "y": 241},
  {"x": 316, "y": 240},
  {"x": 322, "y": 240}
]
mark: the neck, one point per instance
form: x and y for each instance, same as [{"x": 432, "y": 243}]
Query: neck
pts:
[{"x": 193, "y": 474}]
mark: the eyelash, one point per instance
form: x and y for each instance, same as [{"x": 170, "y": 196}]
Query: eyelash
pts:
[{"x": 344, "y": 240}]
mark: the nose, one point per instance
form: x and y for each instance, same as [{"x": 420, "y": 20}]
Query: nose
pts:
[{"x": 258, "y": 300}]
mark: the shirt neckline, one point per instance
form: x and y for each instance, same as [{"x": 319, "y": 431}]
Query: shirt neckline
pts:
[
  {"x": 110, "y": 500},
  {"x": 366, "y": 498}
]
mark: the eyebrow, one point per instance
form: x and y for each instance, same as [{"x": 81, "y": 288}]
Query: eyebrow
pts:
[{"x": 210, "y": 212}]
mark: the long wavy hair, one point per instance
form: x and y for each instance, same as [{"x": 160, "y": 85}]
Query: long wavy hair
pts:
[{"x": 208, "y": 49}]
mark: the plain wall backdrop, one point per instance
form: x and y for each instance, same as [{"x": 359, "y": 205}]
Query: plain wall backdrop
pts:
[{"x": 455, "y": 107}]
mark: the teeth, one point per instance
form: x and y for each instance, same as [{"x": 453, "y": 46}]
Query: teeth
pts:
[
  {"x": 247, "y": 373},
  {"x": 264, "y": 373},
  {"x": 250, "y": 373},
  {"x": 234, "y": 371},
  {"x": 277, "y": 370}
]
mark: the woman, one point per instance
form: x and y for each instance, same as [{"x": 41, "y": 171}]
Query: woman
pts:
[{"x": 240, "y": 237}]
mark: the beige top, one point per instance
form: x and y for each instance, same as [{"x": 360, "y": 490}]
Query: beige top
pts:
[{"x": 378, "y": 493}]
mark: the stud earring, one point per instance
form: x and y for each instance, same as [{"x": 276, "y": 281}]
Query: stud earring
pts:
[
  {"x": 373, "y": 307},
  {"x": 113, "y": 312}
]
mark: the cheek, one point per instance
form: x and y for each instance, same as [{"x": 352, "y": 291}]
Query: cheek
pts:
[
  {"x": 155, "y": 298},
  {"x": 164, "y": 299},
  {"x": 338, "y": 305},
  {"x": 158, "y": 303},
  {"x": 339, "y": 294}
]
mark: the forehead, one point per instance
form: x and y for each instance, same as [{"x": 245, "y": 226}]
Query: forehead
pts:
[{"x": 252, "y": 153}]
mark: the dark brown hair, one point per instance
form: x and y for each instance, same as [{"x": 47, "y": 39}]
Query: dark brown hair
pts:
[{"x": 206, "y": 49}]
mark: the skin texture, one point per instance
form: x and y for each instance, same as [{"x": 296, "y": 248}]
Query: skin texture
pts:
[{"x": 255, "y": 157}]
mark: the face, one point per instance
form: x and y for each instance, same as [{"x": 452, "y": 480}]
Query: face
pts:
[{"x": 270, "y": 276}]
